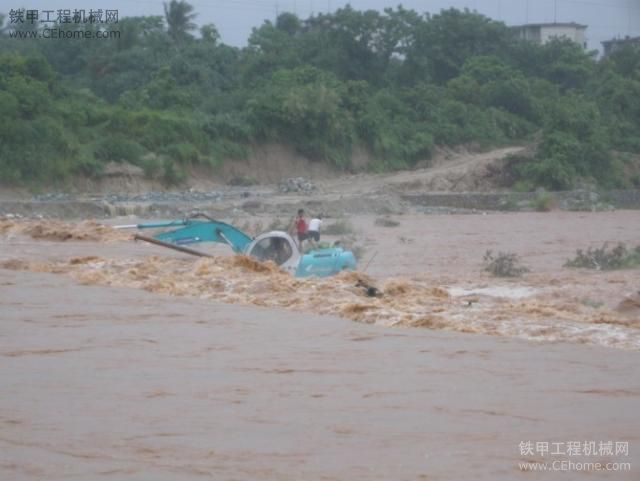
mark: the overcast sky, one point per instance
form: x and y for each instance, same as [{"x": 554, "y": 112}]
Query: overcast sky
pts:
[{"x": 235, "y": 18}]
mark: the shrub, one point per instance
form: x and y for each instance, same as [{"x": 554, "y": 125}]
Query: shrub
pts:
[
  {"x": 155, "y": 130},
  {"x": 544, "y": 202},
  {"x": 172, "y": 173},
  {"x": 604, "y": 258},
  {"x": 118, "y": 148},
  {"x": 224, "y": 149},
  {"x": 522, "y": 185},
  {"x": 303, "y": 106},
  {"x": 151, "y": 164},
  {"x": 386, "y": 222},
  {"x": 504, "y": 264},
  {"x": 340, "y": 227},
  {"x": 184, "y": 153},
  {"x": 509, "y": 205},
  {"x": 87, "y": 163},
  {"x": 242, "y": 181}
]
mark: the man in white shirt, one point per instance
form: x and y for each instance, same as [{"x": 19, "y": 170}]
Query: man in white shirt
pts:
[{"x": 313, "y": 230}]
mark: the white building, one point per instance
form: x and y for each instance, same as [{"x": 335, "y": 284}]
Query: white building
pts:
[{"x": 544, "y": 32}]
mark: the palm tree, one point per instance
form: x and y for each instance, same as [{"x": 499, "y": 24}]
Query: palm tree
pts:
[{"x": 179, "y": 15}]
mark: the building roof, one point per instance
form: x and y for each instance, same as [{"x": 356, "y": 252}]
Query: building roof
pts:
[
  {"x": 621, "y": 40},
  {"x": 566, "y": 24}
]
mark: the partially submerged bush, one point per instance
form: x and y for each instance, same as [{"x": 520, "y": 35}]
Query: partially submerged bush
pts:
[
  {"x": 591, "y": 303},
  {"x": 603, "y": 258},
  {"x": 504, "y": 264},
  {"x": 386, "y": 222}
]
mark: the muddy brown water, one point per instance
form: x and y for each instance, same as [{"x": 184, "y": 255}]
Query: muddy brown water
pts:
[
  {"x": 128, "y": 366},
  {"x": 113, "y": 383},
  {"x": 428, "y": 267}
]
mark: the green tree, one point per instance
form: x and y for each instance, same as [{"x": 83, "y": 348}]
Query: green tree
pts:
[
  {"x": 304, "y": 107},
  {"x": 395, "y": 82},
  {"x": 393, "y": 132},
  {"x": 179, "y": 16},
  {"x": 270, "y": 48},
  {"x": 574, "y": 146},
  {"x": 488, "y": 81},
  {"x": 129, "y": 66},
  {"x": 343, "y": 43},
  {"x": 566, "y": 64},
  {"x": 625, "y": 62},
  {"x": 210, "y": 33},
  {"x": 288, "y": 23},
  {"x": 445, "y": 41},
  {"x": 619, "y": 100}
]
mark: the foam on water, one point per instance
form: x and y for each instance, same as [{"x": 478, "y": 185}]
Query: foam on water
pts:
[
  {"x": 404, "y": 302},
  {"x": 509, "y": 292},
  {"x": 55, "y": 230}
]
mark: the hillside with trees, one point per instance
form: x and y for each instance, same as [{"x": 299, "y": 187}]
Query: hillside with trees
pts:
[{"x": 164, "y": 96}]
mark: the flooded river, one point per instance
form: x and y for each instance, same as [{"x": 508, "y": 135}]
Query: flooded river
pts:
[{"x": 120, "y": 362}]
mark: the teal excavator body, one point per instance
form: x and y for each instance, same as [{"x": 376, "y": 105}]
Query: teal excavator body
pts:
[{"x": 277, "y": 246}]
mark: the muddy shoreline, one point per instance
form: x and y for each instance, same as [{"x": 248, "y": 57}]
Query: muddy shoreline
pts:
[{"x": 240, "y": 202}]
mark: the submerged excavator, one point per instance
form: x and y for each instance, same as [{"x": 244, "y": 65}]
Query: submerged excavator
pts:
[{"x": 276, "y": 246}]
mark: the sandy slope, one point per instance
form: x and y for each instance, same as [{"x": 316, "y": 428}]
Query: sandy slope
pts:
[{"x": 449, "y": 170}]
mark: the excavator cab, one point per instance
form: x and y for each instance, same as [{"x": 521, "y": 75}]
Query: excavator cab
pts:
[{"x": 278, "y": 247}]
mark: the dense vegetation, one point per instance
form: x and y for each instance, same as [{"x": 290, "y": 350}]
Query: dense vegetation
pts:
[{"x": 398, "y": 83}]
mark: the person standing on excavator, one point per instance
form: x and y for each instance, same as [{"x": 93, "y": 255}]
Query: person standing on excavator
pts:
[{"x": 300, "y": 226}]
